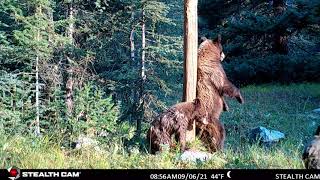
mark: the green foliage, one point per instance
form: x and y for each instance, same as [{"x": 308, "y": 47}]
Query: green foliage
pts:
[
  {"x": 248, "y": 31},
  {"x": 274, "y": 68},
  {"x": 15, "y": 103},
  {"x": 94, "y": 112}
]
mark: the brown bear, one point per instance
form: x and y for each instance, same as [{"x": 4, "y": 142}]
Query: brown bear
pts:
[
  {"x": 212, "y": 84},
  {"x": 174, "y": 122},
  {"x": 311, "y": 153}
]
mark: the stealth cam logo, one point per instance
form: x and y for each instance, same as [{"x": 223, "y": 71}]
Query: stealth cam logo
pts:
[{"x": 14, "y": 173}]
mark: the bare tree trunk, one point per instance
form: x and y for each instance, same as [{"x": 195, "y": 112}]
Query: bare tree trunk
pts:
[
  {"x": 190, "y": 55},
  {"x": 143, "y": 75},
  {"x": 132, "y": 48},
  {"x": 69, "y": 70},
  {"x": 280, "y": 39},
  {"x": 134, "y": 93},
  {"x": 37, "y": 130},
  {"x": 143, "y": 56},
  {"x": 69, "y": 92},
  {"x": 71, "y": 23},
  {"x": 50, "y": 27}
]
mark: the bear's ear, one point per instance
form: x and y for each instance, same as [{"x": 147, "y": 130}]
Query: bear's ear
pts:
[
  {"x": 203, "y": 38},
  {"x": 218, "y": 39}
]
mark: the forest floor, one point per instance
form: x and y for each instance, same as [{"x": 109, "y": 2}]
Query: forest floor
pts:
[{"x": 284, "y": 108}]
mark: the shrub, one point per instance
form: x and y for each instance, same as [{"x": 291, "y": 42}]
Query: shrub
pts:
[{"x": 94, "y": 112}]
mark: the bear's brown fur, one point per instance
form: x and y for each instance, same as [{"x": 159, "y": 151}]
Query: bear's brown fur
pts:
[
  {"x": 212, "y": 135},
  {"x": 212, "y": 84},
  {"x": 311, "y": 153},
  {"x": 175, "y": 122}
]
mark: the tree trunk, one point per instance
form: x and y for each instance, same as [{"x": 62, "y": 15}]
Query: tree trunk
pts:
[
  {"x": 69, "y": 91},
  {"x": 13, "y": 92},
  {"x": 134, "y": 92},
  {"x": 69, "y": 69},
  {"x": 37, "y": 130},
  {"x": 50, "y": 27},
  {"x": 132, "y": 48},
  {"x": 190, "y": 55},
  {"x": 71, "y": 23},
  {"x": 143, "y": 75},
  {"x": 143, "y": 56},
  {"x": 280, "y": 39}
]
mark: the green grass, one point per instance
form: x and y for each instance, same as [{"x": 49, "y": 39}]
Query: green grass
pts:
[{"x": 284, "y": 108}]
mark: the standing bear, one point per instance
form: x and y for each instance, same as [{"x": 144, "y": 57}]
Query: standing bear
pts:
[
  {"x": 212, "y": 84},
  {"x": 174, "y": 122}
]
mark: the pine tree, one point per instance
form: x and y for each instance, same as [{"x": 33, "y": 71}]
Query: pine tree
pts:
[{"x": 262, "y": 39}]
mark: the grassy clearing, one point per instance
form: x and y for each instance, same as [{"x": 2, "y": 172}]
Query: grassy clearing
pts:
[{"x": 284, "y": 108}]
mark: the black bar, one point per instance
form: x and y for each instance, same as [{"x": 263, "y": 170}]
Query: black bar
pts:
[{"x": 164, "y": 174}]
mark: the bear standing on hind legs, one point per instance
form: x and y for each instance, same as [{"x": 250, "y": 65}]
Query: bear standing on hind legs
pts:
[{"x": 212, "y": 84}]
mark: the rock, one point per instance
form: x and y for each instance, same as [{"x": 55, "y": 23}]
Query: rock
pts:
[
  {"x": 316, "y": 110},
  {"x": 84, "y": 142},
  {"x": 103, "y": 134},
  {"x": 195, "y": 156},
  {"x": 265, "y": 136}
]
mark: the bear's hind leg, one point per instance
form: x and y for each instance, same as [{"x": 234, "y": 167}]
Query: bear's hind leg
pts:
[{"x": 182, "y": 139}]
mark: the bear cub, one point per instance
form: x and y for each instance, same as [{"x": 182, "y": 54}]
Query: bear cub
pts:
[{"x": 174, "y": 122}]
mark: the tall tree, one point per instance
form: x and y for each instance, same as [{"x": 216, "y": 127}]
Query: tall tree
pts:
[
  {"x": 143, "y": 69},
  {"x": 37, "y": 129},
  {"x": 32, "y": 37},
  {"x": 68, "y": 63},
  {"x": 132, "y": 33}
]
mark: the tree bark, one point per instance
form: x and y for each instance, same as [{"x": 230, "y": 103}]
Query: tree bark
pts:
[
  {"x": 134, "y": 92},
  {"x": 71, "y": 23},
  {"x": 143, "y": 75},
  {"x": 143, "y": 56},
  {"x": 190, "y": 55},
  {"x": 69, "y": 69},
  {"x": 132, "y": 48},
  {"x": 37, "y": 130},
  {"x": 280, "y": 38}
]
